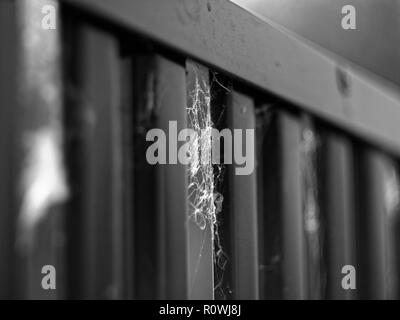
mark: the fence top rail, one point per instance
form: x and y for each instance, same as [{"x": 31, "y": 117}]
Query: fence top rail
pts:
[{"x": 227, "y": 37}]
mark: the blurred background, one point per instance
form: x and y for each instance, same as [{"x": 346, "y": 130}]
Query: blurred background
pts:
[{"x": 374, "y": 45}]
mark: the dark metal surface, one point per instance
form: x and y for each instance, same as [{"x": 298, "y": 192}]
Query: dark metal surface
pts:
[
  {"x": 243, "y": 190},
  {"x": 102, "y": 174},
  {"x": 8, "y": 172},
  {"x": 339, "y": 207},
  {"x": 294, "y": 246},
  {"x": 379, "y": 278},
  {"x": 172, "y": 182}
]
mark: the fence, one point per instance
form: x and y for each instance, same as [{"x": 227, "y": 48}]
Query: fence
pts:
[{"x": 78, "y": 192}]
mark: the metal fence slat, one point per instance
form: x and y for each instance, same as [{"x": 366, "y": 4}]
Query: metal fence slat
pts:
[
  {"x": 200, "y": 242},
  {"x": 340, "y": 219},
  {"x": 294, "y": 251},
  {"x": 243, "y": 190},
  {"x": 172, "y": 181},
  {"x": 102, "y": 173}
]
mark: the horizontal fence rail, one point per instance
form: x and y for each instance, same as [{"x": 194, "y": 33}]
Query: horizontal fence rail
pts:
[{"x": 222, "y": 35}]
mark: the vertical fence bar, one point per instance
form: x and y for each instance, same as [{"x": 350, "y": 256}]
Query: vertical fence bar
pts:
[
  {"x": 38, "y": 141},
  {"x": 126, "y": 276},
  {"x": 172, "y": 181},
  {"x": 146, "y": 217},
  {"x": 223, "y": 273},
  {"x": 269, "y": 204},
  {"x": 101, "y": 157},
  {"x": 261, "y": 195},
  {"x": 8, "y": 94},
  {"x": 340, "y": 219},
  {"x": 294, "y": 250},
  {"x": 243, "y": 189},
  {"x": 313, "y": 225},
  {"x": 377, "y": 235},
  {"x": 201, "y": 188}
]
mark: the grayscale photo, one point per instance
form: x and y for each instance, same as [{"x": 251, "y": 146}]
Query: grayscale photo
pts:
[{"x": 210, "y": 151}]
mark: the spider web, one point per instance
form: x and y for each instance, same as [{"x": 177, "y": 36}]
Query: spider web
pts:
[{"x": 205, "y": 201}]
